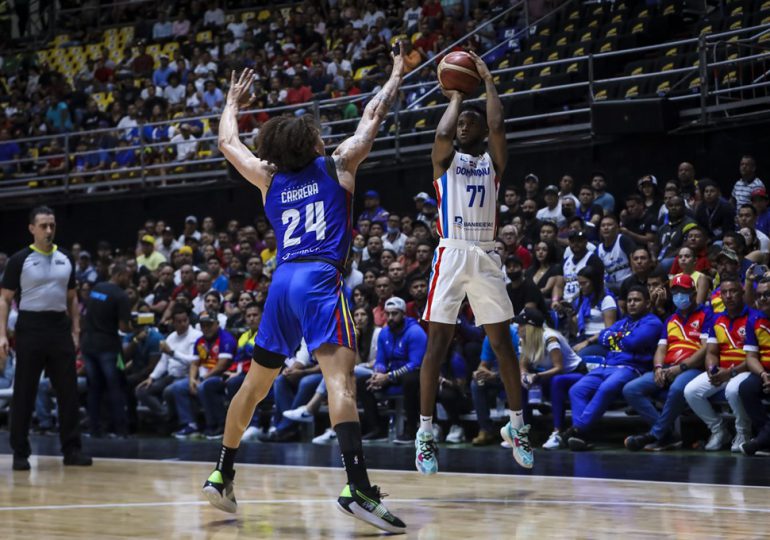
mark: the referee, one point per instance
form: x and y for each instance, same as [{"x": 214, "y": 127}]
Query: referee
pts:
[{"x": 43, "y": 277}]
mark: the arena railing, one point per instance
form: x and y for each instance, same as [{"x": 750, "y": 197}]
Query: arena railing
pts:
[{"x": 400, "y": 143}]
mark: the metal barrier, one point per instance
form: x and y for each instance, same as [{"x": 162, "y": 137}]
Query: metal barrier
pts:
[{"x": 741, "y": 52}]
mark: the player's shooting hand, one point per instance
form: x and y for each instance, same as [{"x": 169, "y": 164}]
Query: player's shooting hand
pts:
[
  {"x": 451, "y": 95},
  {"x": 398, "y": 59},
  {"x": 240, "y": 93},
  {"x": 481, "y": 67}
]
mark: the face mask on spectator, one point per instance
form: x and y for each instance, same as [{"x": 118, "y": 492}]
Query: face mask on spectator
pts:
[
  {"x": 393, "y": 230},
  {"x": 515, "y": 276},
  {"x": 357, "y": 249},
  {"x": 681, "y": 300}
]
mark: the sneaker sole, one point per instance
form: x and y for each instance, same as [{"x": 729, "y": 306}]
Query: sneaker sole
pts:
[
  {"x": 367, "y": 517},
  {"x": 744, "y": 452},
  {"x": 218, "y": 501},
  {"x": 300, "y": 419},
  {"x": 506, "y": 438}
]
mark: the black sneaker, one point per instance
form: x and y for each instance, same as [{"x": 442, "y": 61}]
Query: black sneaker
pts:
[
  {"x": 367, "y": 506},
  {"x": 577, "y": 444},
  {"x": 637, "y": 442},
  {"x": 78, "y": 459},
  {"x": 404, "y": 438},
  {"x": 218, "y": 489},
  {"x": 672, "y": 442},
  {"x": 21, "y": 463},
  {"x": 748, "y": 449},
  {"x": 375, "y": 436}
]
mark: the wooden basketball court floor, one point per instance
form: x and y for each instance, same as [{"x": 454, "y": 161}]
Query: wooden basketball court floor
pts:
[{"x": 130, "y": 498}]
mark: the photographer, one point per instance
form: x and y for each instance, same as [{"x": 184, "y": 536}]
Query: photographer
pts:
[
  {"x": 141, "y": 352},
  {"x": 107, "y": 311}
]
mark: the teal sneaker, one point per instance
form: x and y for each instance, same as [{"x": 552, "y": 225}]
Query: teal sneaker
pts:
[
  {"x": 367, "y": 506},
  {"x": 426, "y": 453},
  {"x": 218, "y": 489},
  {"x": 519, "y": 441}
]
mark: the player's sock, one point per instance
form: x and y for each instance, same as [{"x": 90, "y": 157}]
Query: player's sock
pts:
[
  {"x": 226, "y": 461},
  {"x": 349, "y": 437},
  {"x": 426, "y": 423},
  {"x": 517, "y": 419}
]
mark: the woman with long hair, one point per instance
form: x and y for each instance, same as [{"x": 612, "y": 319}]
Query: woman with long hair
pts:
[
  {"x": 366, "y": 353},
  {"x": 546, "y": 268},
  {"x": 593, "y": 310},
  {"x": 547, "y": 361},
  {"x": 687, "y": 259}
]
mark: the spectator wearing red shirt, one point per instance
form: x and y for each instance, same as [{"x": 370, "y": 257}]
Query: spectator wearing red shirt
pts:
[
  {"x": 432, "y": 9},
  {"x": 697, "y": 240},
  {"x": 143, "y": 63},
  {"x": 188, "y": 282},
  {"x": 298, "y": 93},
  {"x": 254, "y": 267},
  {"x": 424, "y": 44}
]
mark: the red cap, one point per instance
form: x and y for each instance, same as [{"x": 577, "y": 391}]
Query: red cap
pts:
[
  {"x": 683, "y": 281},
  {"x": 759, "y": 192}
]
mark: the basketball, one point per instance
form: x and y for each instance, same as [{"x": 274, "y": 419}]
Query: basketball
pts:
[{"x": 457, "y": 71}]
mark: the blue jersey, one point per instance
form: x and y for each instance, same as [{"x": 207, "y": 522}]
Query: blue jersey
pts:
[{"x": 311, "y": 213}]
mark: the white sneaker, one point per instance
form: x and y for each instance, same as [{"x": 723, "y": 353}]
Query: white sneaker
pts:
[
  {"x": 553, "y": 442},
  {"x": 456, "y": 435},
  {"x": 326, "y": 437},
  {"x": 739, "y": 439},
  {"x": 251, "y": 434},
  {"x": 718, "y": 440},
  {"x": 299, "y": 414}
]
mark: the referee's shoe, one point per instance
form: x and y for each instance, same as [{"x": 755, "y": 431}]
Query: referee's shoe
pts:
[{"x": 76, "y": 458}]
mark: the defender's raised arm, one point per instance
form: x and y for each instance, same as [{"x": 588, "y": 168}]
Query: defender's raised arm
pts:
[
  {"x": 352, "y": 151},
  {"x": 253, "y": 169}
]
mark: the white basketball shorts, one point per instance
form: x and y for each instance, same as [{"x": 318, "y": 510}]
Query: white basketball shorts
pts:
[{"x": 468, "y": 268}]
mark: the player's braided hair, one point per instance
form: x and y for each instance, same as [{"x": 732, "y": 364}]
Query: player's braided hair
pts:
[{"x": 288, "y": 142}]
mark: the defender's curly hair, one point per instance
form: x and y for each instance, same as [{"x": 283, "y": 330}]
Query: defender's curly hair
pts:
[{"x": 288, "y": 142}]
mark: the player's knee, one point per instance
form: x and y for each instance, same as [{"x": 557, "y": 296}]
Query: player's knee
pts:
[{"x": 267, "y": 359}]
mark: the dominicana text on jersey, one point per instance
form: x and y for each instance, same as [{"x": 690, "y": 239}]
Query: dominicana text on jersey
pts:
[
  {"x": 311, "y": 213},
  {"x": 467, "y": 195}
]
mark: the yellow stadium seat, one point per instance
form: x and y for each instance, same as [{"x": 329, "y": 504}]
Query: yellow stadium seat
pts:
[
  {"x": 264, "y": 15},
  {"x": 204, "y": 37},
  {"x": 247, "y": 16},
  {"x": 362, "y": 72}
]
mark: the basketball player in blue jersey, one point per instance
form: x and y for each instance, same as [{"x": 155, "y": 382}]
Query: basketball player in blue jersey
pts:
[
  {"x": 309, "y": 201},
  {"x": 465, "y": 263}
]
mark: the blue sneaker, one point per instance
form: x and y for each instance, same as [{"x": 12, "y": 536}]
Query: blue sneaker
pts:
[
  {"x": 187, "y": 432},
  {"x": 426, "y": 453},
  {"x": 519, "y": 441}
]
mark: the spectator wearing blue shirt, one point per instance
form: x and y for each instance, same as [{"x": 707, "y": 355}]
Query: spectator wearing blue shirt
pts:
[
  {"x": 601, "y": 196},
  {"x": 400, "y": 348},
  {"x": 631, "y": 342},
  {"x": 220, "y": 281},
  {"x": 85, "y": 272},
  {"x": 162, "y": 73},
  {"x": 372, "y": 209},
  {"x": 486, "y": 386},
  {"x": 760, "y": 201},
  {"x": 213, "y": 96},
  {"x": 9, "y": 153}
]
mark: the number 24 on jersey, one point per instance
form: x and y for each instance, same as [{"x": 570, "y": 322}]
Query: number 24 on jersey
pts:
[{"x": 314, "y": 222}]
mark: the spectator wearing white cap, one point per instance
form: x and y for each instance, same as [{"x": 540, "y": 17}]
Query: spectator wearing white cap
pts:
[
  {"x": 85, "y": 270},
  {"x": 400, "y": 348},
  {"x": 419, "y": 199},
  {"x": 552, "y": 209},
  {"x": 429, "y": 211},
  {"x": 190, "y": 229}
]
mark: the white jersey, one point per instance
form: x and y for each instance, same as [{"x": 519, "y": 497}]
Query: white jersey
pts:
[{"x": 467, "y": 199}]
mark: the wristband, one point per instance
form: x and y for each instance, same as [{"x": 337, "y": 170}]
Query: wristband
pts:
[{"x": 658, "y": 367}]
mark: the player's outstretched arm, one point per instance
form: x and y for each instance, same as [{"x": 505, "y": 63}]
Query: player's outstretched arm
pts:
[
  {"x": 353, "y": 150},
  {"x": 443, "y": 145},
  {"x": 498, "y": 148},
  {"x": 253, "y": 169}
]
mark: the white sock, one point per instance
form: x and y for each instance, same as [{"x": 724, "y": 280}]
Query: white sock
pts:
[
  {"x": 426, "y": 423},
  {"x": 517, "y": 419}
]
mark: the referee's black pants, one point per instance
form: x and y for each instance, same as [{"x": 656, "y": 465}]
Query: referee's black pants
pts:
[{"x": 54, "y": 351}]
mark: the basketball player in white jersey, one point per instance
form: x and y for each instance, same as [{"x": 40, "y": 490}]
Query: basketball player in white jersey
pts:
[{"x": 465, "y": 263}]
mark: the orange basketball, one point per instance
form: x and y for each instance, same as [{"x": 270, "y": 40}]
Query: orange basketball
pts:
[{"x": 457, "y": 71}]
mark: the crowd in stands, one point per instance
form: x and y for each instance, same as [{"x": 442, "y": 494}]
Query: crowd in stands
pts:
[
  {"x": 659, "y": 301},
  {"x": 149, "y": 96}
]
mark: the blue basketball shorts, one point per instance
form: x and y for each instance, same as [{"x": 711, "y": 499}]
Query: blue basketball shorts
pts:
[{"x": 306, "y": 299}]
